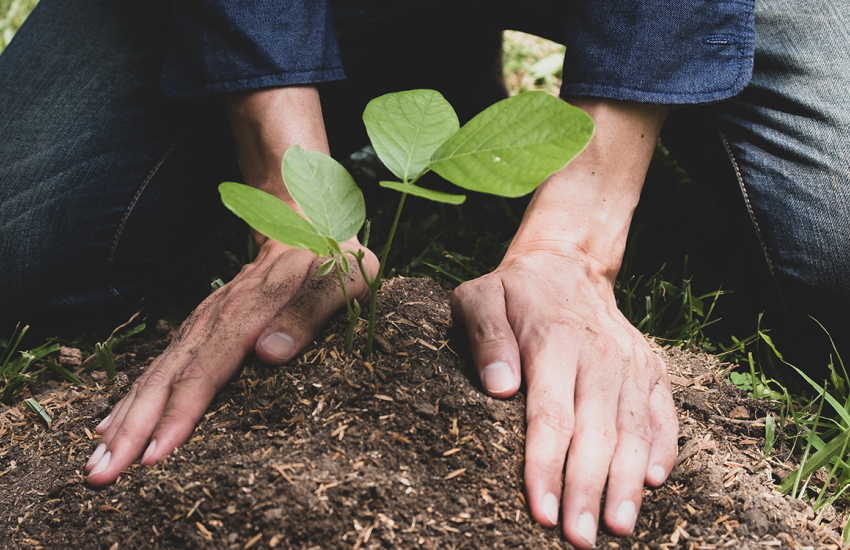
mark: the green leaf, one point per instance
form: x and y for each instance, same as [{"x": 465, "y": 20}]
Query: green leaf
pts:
[
  {"x": 513, "y": 146},
  {"x": 407, "y": 127},
  {"x": 107, "y": 360},
  {"x": 35, "y": 407},
  {"x": 416, "y": 191},
  {"x": 769, "y": 434},
  {"x": 326, "y": 267},
  {"x": 325, "y": 191},
  {"x": 271, "y": 217},
  {"x": 343, "y": 262}
]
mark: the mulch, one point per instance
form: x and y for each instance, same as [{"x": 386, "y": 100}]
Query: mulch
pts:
[{"x": 400, "y": 451}]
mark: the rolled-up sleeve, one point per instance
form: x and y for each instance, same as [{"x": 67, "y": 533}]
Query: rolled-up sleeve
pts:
[
  {"x": 234, "y": 45},
  {"x": 659, "y": 51}
]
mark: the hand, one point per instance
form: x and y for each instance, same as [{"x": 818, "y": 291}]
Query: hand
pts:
[
  {"x": 597, "y": 394},
  {"x": 275, "y": 306}
]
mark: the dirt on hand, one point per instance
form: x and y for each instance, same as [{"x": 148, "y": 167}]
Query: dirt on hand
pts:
[{"x": 400, "y": 451}]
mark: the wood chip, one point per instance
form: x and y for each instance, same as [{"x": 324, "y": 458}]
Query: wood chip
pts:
[
  {"x": 254, "y": 540},
  {"x": 456, "y": 473},
  {"x": 451, "y": 451},
  {"x": 384, "y": 398}
]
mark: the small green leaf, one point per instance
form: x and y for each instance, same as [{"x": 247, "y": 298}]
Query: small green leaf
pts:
[
  {"x": 407, "y": 127},
  {"x": 217, "y": 284},
  {"x": 416, "y": 191},
  {"x": 325, "y": 191},
  {"x": 513, "y": 146},
  {"x": 35, "y": 407},
  {"x": 271, "y": 217},
  {"x": 326, "y": 267},
  {"x": 106, "y": 358},
  {"x": 769, "y": 434},
  {"x": 343, "y": 261}
]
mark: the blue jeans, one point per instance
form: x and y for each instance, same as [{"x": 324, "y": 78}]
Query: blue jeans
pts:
[{"x": 106, "y": 187}]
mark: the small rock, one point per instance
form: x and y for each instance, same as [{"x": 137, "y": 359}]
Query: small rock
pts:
[
  {"x": 757, "y": 521},
  {"x": 742, "y": 530},
  {"x": 383, "y": 344},
  {"x": 98, "y": 375},
  {"x": 162, "y": 327},
  {"x": 740, "y": 413},
  {"x": 424, "y": 408},
  {"x": 497, "y": 412},
  {"x": 70, "y": 357}
]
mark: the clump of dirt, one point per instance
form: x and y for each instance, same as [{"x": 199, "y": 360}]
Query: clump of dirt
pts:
[{"x": 401, "y": 451}]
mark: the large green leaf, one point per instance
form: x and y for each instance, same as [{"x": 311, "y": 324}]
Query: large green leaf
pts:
[
  {"x": 430, "y": 194},
  {"x": 272, "y": 217},
  {"x": 325, "y": 191},
  {"x": 513, "y": 146},
  {"x": 407, "y": 127}
]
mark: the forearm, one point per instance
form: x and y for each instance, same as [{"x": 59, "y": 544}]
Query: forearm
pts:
[
  {"x": 266, "y": 123},
  {"x": 585, "y": 210}
]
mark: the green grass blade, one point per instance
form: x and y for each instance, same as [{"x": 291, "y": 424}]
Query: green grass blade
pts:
[
  {"x": 35, "y": 407},
  {"x": 769, "y": 434},
  {"x": 818, "y": 460},
  {"x": 107, "y": 360}
]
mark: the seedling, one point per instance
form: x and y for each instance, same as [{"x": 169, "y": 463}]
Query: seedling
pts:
[{"x": 507, "y": 150}]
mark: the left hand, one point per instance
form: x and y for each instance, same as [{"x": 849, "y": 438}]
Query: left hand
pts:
[{"x": 598, "y": 397}]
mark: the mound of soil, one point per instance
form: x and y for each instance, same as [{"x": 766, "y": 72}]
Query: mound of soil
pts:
[{"x": 401, "y": 451}]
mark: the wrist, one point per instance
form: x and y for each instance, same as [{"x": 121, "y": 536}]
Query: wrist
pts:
[
  {"x": 265, "y": 123},
  {"x": 583, "y": 212}
]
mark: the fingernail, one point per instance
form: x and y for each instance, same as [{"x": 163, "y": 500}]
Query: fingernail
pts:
[
  {"x": 658, "y": 473},
  {"x": 95, "y": 456},
  {"x": 586, "y": 528},
  {"x": 278, "y": 345},
  {"x": 550, "y": 508},
  {"x": 102, "y": 464},
  {"x": 627, "y": 514},
  {"x": 498, "y": 378},
  {"x": 151, "y": 448},
  {"x": 102, "y": 422}
]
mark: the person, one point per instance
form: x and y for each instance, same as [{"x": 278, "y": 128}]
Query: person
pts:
[{"x": 119, "y": 121}]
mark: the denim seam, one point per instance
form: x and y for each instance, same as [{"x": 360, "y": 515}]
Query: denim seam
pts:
[
  {"x": 743, "y": 187},
  {"x": 127, "y": 215}
]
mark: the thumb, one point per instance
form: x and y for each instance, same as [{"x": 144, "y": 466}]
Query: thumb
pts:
[
  {"x": 297, "y": 323},
  {"x": 480, "y": 306}
]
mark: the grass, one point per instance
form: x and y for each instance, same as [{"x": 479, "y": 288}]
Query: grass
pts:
[{"x": 12, "y": 15}]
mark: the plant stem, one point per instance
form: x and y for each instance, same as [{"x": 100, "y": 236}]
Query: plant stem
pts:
[
  {"x": 352, "y": 316},
  {"x": 376, "y": 283}
]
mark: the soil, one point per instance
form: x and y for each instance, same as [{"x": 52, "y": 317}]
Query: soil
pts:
[{"x": 402, "y": 451}]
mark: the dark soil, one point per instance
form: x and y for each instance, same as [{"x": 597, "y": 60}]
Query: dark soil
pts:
[{"x": 401, "y": 451}]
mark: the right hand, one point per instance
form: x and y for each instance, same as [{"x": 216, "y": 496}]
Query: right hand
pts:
[{"x": 275, "y": 306}]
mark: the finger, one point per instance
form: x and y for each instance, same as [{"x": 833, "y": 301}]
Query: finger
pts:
[
  {"x": 591, "y": 451},
  {"x": 665, "y": 432},
  {"x": 628, "y": 465},
  {"x": 194, "y": 386},
  {"x": 296, "y": 324},
  {"x": 129, "y": 432},
  {"x": 550, "y": 375},
  {"x": 480, "y": 306}
]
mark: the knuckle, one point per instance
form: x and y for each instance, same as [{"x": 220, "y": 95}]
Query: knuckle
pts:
[
  {"x": 561, "y": 423},
  {"x": 154, "y": 379},
  {"x": 192, "y": 371}
]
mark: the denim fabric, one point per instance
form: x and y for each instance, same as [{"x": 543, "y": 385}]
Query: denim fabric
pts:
[
  {"x": 224, "y": 46},
  {"x": 104, "y": 184},
  {"x": 786, "y": 139},
  {"x": 657, "y": 51}
]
